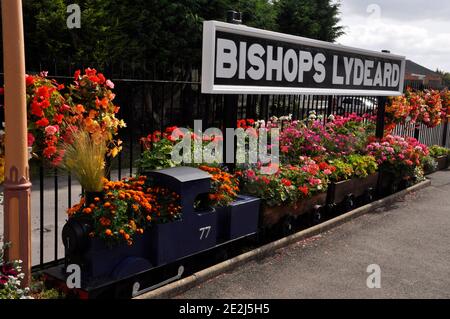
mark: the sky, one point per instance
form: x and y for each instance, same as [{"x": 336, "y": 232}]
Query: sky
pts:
[{"x": 417, "y": 29}]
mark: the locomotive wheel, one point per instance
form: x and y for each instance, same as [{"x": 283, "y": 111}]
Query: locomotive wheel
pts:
[
  {"x": 287, "y": 226},
  {"x": 349, "y": 203},
  {"x": 369, "y": 196},
  {"x": 317, "y": 216}
]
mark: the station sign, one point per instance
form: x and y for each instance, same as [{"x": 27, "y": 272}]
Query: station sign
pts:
[{"x": 237, "y": 59}]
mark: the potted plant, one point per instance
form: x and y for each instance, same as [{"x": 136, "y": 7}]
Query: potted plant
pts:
[
  {"x": 238, "y": 214},
  {"x": 115, "y": 226},
  {"x": 399, "y": 160},
  {"x": 292, "y": 191},
  {"x": 441, "y": 155},
  {"x": 84, "y": 157},
  {"x": 341, "y": 186},
  {"x": 365, "y": 174},
  {"x": 429, "y": 165}
]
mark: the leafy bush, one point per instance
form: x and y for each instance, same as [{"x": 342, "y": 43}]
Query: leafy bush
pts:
[
  {"x": 438, "y": 151},
  {"x": 398, "y": 156},
  {"x": 343, "y": 170},
  {"x": 429, "y": 164},
  {"x": 362, "y": 166},
  {"x": 10, "y": 278}
]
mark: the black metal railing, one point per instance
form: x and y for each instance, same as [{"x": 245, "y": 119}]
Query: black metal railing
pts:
[{"x": 147, "y": 105}]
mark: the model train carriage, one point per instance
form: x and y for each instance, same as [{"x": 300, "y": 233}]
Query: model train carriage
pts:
[{"x": 195, "y": 232}]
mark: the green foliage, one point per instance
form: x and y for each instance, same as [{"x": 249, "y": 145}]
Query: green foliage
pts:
[
  {"x": 351, "y": 166},
  {"x": 343, "y": 171},
  {"x": 316, "y": 19},
  {"x": 363, "y": 166},
  {"x": 140, "y": 33},
  {"x": 438, "y": 151},
  {"x": 158, "y": 157},
  {"x": 429, "y": 164}
]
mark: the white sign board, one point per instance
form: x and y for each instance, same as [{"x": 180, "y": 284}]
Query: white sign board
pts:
[{"x": 242, "y": 60}]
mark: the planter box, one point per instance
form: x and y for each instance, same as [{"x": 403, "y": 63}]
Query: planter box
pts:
[
  {"x": 362, "y": 185},
  {"x": 272, "y": 215},
  {"x": 101, "y": 262},
  {"x": 172, "y": 241},
  {"x": 356, "y": 187},
  {"x": 159, "y": 245},
  {"x": 243, "y": 217},
  {"x": 238, "y": 220},
  {"x": 338, "y": 192},
  {"x": 442, "y": 162},
  {"x": 389, "y": 184}
]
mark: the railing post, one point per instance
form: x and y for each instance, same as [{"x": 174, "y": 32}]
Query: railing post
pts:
[
  {"x": 382, "y": 100},
  {"x": 445, "y": 133},
  {"x": 230, "y": 111},
  {"x": 417, "y": 131},
  {"x": 17, "y": 186}
]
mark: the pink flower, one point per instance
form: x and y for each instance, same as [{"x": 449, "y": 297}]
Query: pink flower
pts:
[
  {"x": 31, "y": 139},
  {"x": 327, "y": 172},
  {"x": 110, "y": 84},
  {"x": 51, "y": 130},
  {"x": 251, "y": 174}
]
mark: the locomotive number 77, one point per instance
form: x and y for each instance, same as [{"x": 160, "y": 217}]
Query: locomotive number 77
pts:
[{"x": 204, "y": 232}]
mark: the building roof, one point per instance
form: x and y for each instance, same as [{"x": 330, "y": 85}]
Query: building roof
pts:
[{"x": 414, "y": 68}]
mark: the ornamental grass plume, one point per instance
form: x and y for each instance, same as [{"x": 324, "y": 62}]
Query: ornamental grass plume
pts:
[{"x": 84, "y": 157}]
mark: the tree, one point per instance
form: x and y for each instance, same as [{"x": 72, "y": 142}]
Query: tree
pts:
[
  {"x": 317, "y": 19},
  {"x": 135, "y": 35},
  {"x": 445, "y": 77}
]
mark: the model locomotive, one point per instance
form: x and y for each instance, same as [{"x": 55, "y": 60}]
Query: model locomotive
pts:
[{"x": 158, "y": 256}]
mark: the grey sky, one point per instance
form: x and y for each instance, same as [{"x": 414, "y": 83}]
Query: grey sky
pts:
[{"x": 418, "y": 29}]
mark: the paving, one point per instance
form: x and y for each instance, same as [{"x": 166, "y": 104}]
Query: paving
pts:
[{"x": 409, "y": 240}]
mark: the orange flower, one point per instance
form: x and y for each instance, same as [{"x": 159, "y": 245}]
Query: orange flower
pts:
[
  {"x": 108, "y": 232},
  {"x": 107, "y": 204},
  {"x": 80, "y": 108},
  {"x": 87, "y": 210}
]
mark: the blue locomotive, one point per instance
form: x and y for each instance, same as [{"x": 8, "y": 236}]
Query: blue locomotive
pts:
[{"x": 161, "y": 246}]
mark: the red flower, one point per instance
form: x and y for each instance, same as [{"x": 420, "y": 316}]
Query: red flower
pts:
[
  {"x": 49, "y": 151},
  {"x": 304, "y": 190},
  {"x": 36, "y": 109},
  {"x": 42, "y": 92},
  {"x": 90, "y": 72},
  {"x": 8, "y": 270},
  {"x": 58, "y": 118},
  {"x": 77, "y": 75},
  {"x": 286, "y": 182},
  {"x": 29, "y": 79},
  {"x": 101, "y": 78},
  {"x": 170, "y": 129},
  {"x": 42, "y": 122}
]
